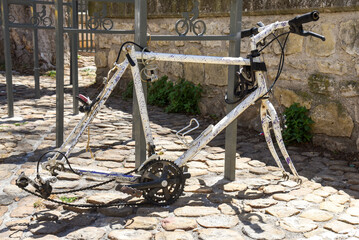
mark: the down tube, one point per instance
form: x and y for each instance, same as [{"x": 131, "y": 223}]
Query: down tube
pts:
[{"x": 230, "y": 117}]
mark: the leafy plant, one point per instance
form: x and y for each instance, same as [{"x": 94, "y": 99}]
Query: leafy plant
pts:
[
  {"x": 128, "y": 93},
  {"x": 51, "y": 73},
  {"x": 68, "y": 199},
  {"x": 159, "y": 91},
  {"x": 88, "y": 72},
  {"x": 20, "y": 124},
  {"x": 298, "y": 125},
  {"x": 185, "y": 97}
]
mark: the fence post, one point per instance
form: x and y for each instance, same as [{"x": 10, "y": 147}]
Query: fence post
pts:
[
  {"x": 59, "y": 25},
  {"x": 74, "y": 62},
  {"x": 141, "y": 39},
  {"x": 35, "y": 40},
  {"x": 8, "y": 64},
  {"x": 234, "y": 51}
]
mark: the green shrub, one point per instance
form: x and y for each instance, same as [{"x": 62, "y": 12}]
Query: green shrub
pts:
[
  {"x": 185, "y": 97},
  {"x": 159, "y": 91},
  {"x": 181, "y": 97},
  {"x": 128, "y": 93},
  {"x": 51, "y": 73},
  {"x": 68, "y": 199},
  {"x": 298, "y": 125}
]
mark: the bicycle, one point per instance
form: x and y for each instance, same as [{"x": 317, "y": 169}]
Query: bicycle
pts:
[
  {"x": 160, "y": 181},
  {"x": 37, "y": 19},
  {"x": 188, "y": 24}
]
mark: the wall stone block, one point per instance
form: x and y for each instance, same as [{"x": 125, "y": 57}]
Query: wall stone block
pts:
[
  {"x": 320, "y": 83},
  {"x": 332, "y": 119},
  {"x": 349, "y": 89},
  {"x": 215, "y": 75},
  {"x": 297, "y": 63},
  {"x": 349, "y": 35},
  {"x": 294, "y": 45},
  {"x": 316, "y": 47},
  {"x": 152, "y": 27},
  {"x": 112, "y": 55},
  {"x": 334, "y": 67},
  {"x": 194, "y": 72},
  {"x": 287, "y": 97},
  {"x": 101, "y": 59},
  {"x": 104, "y": 41},
  {"x": 212, "y": 101}
]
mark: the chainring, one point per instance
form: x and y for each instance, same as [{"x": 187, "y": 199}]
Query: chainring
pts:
[{"x": 163, "y": 170}]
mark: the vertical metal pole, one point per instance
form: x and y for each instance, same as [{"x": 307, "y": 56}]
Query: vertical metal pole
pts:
[
  {"x": 86, "y": 34},
  {"x": 35, "y": 40},
  {"x": 74, "y": 62},
  {"x": 234, "y": 51},
  {"x": 83, "y": 21},
  {"x": 59, "y": 24},
  {"x": 7, "y": 52},
  {"x": 141, "y": 39}
]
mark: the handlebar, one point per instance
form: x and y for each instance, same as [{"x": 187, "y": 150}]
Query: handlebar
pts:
[
  {"x": 249, "y": 32},
  {"x": 295, "y": 26},
  {"x": 305, "y": 18}
]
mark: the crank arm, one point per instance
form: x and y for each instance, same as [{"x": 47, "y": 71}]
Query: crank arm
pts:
[{"x": 153, "y": 184}]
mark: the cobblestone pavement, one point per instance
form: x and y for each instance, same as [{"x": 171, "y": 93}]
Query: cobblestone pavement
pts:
[{"x": 257, "y": 205}]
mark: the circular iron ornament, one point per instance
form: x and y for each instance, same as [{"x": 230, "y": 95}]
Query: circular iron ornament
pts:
[
  {"x": 199, "y": 28},
  {"x": 11, "y": 19},
  {"x": 182, "y": 27},
  {"x": 107, "y": 24},
  {"x": 93, "y": 23},
  {"x": 47, "y": 22}
]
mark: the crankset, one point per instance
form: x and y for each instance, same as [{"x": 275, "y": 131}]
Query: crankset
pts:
[{"x": 167, "y": 181}]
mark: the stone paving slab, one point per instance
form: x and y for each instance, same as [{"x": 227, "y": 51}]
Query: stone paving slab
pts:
[{"x": 258, "y": 205}]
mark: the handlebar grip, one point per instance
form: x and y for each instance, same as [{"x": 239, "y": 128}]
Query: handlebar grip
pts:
[
  {"x": 305, "y": 18},
  {"x": 249, "y": 32}
]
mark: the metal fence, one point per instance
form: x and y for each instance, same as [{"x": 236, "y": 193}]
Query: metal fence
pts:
[{"x": 81, "y": 28}]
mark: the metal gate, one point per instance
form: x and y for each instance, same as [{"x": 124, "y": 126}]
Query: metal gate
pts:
[
  {"x": 86, "y": 40},
  {"x": 84, "y": 29}
]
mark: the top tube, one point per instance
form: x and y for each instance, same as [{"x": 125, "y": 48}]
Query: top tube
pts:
[{"x": 169, "y": 57}]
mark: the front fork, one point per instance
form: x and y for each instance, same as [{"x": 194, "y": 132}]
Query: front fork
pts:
[{"x": 269, "y": 115}]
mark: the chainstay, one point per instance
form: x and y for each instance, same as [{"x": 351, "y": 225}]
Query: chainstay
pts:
[
  {"x": 92, "y": 186},
  {"x": 85, "y": 188},
  {"x": 86, "y": 205}
]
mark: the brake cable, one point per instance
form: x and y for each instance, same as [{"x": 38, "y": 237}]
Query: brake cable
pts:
[{"x": 281, "y": 61}]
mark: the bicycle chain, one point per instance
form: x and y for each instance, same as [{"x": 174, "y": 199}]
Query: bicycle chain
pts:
[{"x": 85, "y": 205}]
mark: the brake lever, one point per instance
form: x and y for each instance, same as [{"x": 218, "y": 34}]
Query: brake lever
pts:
[{"x": 309, "y": 33}]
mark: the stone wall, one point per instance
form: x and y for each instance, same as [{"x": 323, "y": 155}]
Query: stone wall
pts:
[{"x": 323, "y": 76}]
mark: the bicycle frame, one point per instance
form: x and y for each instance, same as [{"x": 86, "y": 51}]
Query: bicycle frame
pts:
[{"x": 268, "y": 113}]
